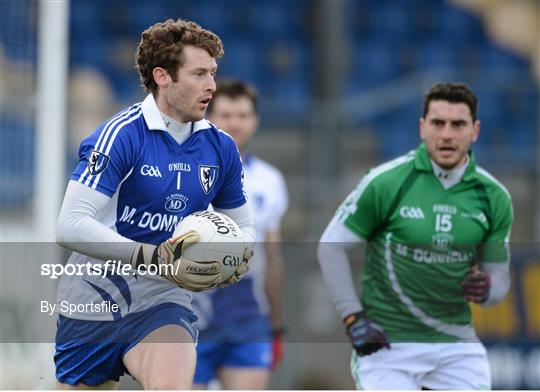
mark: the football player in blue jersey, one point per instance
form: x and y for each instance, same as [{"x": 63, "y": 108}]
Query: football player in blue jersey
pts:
[
  {"x": 253, "y": 306},
  {"x": 139, "y": 174}
]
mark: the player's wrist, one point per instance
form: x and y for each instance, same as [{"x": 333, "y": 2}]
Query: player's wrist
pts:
[
  {"x": 278, "y": 332},
  {"x": 353, "y": 318},
  {"x": 144, "y": 254}
]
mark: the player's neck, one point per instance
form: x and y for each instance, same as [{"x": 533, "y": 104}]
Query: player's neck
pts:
[
  {"x": 449, "y": 177},
  {"x": 167, "y": 110},
  {"x": 179, "y": 131}
]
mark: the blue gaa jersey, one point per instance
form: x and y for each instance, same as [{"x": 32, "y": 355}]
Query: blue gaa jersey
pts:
[
  {"x": 243, "y": 307},
  {"x": 153, "y": 183}
]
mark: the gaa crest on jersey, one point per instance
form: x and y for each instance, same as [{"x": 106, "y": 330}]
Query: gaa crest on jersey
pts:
[
  {"x": 208, "y": 176},
  {"x": 97, "y": 162}
]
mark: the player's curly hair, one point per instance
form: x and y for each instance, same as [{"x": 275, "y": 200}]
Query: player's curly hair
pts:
[
  {"x": 161, "y": 46},
  {"x": 453, "y": 93}
]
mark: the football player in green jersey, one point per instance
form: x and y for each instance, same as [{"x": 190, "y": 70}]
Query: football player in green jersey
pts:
[{"x": 436, "y": 228}]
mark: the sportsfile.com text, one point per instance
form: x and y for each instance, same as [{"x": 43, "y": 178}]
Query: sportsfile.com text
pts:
[{"x": 109, "y": 268}]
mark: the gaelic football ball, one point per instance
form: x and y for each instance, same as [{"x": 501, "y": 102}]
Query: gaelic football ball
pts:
[{"x": 220, "y": 239}]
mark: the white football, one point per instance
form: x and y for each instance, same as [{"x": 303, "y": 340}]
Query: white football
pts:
[{"x": 220, "y": 239}]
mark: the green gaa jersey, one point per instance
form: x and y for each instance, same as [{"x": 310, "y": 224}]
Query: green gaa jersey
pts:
[{"x": 421, "y": 241}]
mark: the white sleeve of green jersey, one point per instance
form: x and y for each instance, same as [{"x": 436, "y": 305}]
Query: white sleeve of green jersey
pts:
[
  {"x": 500, "y": 282},
  {"x": 335, "y": 267}
]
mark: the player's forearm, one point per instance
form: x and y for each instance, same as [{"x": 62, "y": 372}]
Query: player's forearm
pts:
[
  {"x": 337, "y": 276},
  {"x": 242, "y": 216},
  {"x": 78, "y": 230},
  {"x": 274, "y": 282},
  {"x": 500, "y": 282},
  {"x": 335, "y": 267}
]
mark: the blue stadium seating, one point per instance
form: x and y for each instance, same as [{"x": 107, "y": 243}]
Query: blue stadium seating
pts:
[
  {"x": 373, "y": 63},
  {"x": 438, "y": 54},
  {"x": 391, "y": 21},
  {"x": 455, "y": 23},
  {"x": 212, "y": 15},
  {"x": 18, "y": 33},
  {"x": 242, "y": 60},
  {"x": 388, "y": 40},
  {"x": 16, "y": 162},
  {"x": 494, "y": 58},
  {"x": 271, "y": 43}
]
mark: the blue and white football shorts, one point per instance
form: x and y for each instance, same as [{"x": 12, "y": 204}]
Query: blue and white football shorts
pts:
[
  {"x": 213, "y": 356},
  {"x": 92, "y": 352}
]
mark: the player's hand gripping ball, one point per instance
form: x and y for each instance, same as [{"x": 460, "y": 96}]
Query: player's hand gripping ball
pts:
[
  {"x": 243, "y": 267},
  {"x": 217, "y": 258}
]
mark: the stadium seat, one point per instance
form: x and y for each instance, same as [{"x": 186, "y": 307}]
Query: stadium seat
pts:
[
  {"x": 278, "y": 19},
  {"x": 148, "y": 13},
  {"x": 16, "y": 174},
  {"x": 212, "y": 15},
  {"x": 89, "y": 50},
  {"x": 438, "y": 54},
  {"x": 18, "y": 38},
  {"x": 373, "y": 63},
  {"x": 391, "y": 20},
  {"x": 456, "y": 23},
  {"x": 242, "y": 60},
  {"x": 494, "y": 58}
]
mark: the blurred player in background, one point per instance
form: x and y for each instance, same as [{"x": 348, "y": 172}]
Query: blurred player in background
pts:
[
  {"x": 437, "y": 228},
  {"x": 139, "y": 174},
  {"x": 238, "y": 323}
]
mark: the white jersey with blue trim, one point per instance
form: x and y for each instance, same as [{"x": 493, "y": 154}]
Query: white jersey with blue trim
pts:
[
  {"x": 223, "y": 310},
  {"x": 153, "y": 183}
]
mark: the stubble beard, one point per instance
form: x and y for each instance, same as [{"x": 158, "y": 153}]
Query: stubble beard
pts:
[{"x": 454, "y": 164}]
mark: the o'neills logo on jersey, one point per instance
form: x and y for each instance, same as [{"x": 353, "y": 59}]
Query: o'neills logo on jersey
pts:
[
  {"x": 411, "y": 212},
  {"x": 208, "y": 176},
  {"x": 179, "y": 166},
  {"x": 97, "y": 162}
]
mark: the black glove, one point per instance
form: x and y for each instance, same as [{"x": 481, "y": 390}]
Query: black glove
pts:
[
  {"x": 366, "y": 335},
  {"x": 476, "y": 286}
]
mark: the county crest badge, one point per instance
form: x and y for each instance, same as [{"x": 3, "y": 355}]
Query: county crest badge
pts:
[
  {"x": 207, "y": 177},
  {"x": 97, "y": 162}
]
